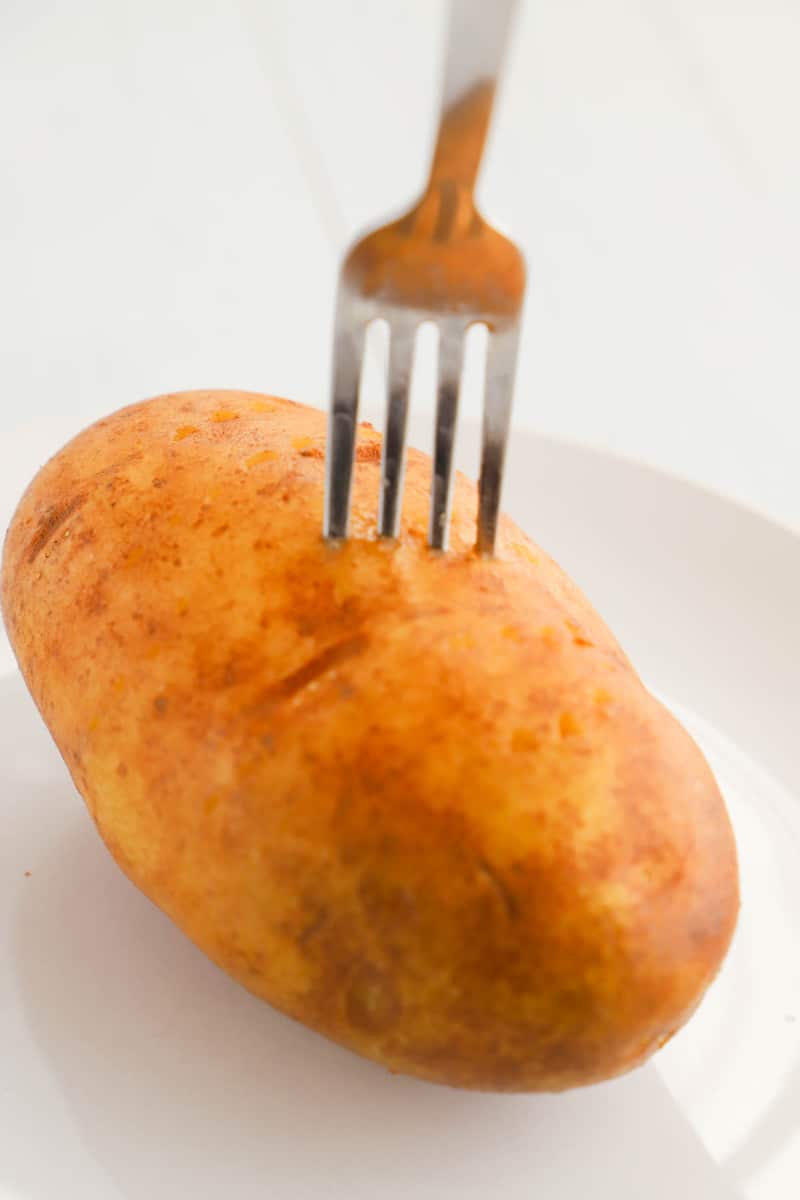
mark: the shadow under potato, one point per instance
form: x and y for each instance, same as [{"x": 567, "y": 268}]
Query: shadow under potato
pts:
[{"x": 180, "y": 1083}]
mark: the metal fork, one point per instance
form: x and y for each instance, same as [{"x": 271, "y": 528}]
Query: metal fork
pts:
[{"x": 440, "y": 262}]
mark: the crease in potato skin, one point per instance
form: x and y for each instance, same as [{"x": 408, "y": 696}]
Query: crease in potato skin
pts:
[{"x": 420, "y": 802}]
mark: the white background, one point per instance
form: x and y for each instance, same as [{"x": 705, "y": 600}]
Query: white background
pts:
[{"x": 178, "y": 179}]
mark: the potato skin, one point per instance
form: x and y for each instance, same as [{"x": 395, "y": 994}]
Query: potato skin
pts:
[{"x": 420, "y": 802}]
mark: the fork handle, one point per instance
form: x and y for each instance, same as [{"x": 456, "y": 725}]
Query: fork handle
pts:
[{"x": 476, "y": 42}]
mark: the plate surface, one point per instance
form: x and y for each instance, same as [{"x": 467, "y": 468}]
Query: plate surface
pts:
[{"x": 132, "y": 1067}]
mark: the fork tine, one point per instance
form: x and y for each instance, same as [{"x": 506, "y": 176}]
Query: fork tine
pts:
[
  {"x": 342, "y": 422},
  {"x": 401, "y": 352},
  {"x": 501, "y": 360},
  {"x": 444, "y": 438}
]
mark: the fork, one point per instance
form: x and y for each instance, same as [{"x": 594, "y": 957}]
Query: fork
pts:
[{"x": 440, "y": 262}]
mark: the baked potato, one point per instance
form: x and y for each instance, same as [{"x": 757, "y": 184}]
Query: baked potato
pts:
[{"x": 419, "y": 801}]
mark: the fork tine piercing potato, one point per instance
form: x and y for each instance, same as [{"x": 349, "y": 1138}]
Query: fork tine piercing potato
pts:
[{"x": 420, "y": 802}]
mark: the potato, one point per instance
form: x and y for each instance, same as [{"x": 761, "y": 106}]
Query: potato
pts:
[{"x": 420, "y": 802}]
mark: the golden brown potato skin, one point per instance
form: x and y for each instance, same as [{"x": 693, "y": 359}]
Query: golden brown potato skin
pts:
[{"x": 420, "y": 802}]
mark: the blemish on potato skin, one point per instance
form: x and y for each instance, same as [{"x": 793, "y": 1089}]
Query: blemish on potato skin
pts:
[
  {"x": 160, "y": 705},
  {"x": 500, "y": 887},
  {"x": 262, "y": 457},
  {"x": 184, "y": 431},
  {"x": 230, "y": 673},
  {"x": 314, "y": 926},
  {"x": 96, "y": 600},
  {"x": 51, "y": 522},
  {"x": 569, "y": 725},
  {"x": 224, "y": 414},
  {"x": 524, "y": 552},
  {"x": 578, "y": 637},
  {"x": 368, "y": 452},
  {"x": 371, "y": 1002},
  {"x": 283, "y": 689}
]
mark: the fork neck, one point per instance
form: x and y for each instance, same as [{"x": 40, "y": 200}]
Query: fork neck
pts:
[
  {"x": 476, "y": 41},
  {"x": 461, "y": 139}
]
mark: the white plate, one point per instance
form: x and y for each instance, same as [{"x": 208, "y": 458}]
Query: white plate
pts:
[{"x": 131, "y": 1067}]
